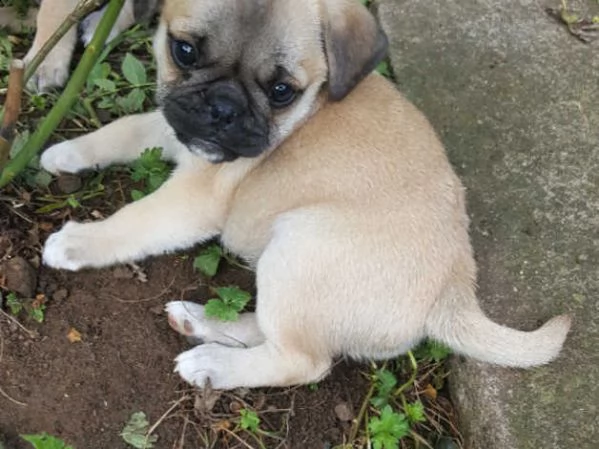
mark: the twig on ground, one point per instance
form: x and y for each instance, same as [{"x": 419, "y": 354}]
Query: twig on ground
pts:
[
  {"x": 31, "y": 334},
  {"x": 166, "y": 414},
  {"x": 151, "y": 298},
  {"x": 67, "y": 99},
  {"x": 5, "y": 394},
  {"x": 12, "y": 109}
]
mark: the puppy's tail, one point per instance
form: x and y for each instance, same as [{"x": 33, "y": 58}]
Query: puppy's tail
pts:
[{"x": 458, "y": 321}]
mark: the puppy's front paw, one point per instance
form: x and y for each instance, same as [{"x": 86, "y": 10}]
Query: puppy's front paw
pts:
[
  {"x": 67, "y": 157},
  {"x": 52, "y": 72},
  {"x": 73, "y": 247},
  {"x": 209, "y": 361}
]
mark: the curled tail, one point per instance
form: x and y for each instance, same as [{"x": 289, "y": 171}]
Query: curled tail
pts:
[{"x": 458, "y": 321}]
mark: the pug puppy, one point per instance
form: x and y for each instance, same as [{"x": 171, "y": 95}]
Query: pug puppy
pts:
[
  {"x": 314, "y": 170},
  {"x": 54, "y": 70}
]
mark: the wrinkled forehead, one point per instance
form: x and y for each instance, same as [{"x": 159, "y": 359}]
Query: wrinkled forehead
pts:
[{"x": 249, "y": 31}]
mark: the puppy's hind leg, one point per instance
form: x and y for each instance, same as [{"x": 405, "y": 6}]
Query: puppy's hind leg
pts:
[
  {"x": 292, "y": 351},
  {"x": 190, "y": 319}
]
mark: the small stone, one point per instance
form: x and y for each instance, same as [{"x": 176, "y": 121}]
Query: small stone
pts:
[
  {"x": 19, "y": 276},
  {"x": 60, "y": 295},
  {"x": 68, "y": 183},
  {"x": 344, "y": 412},
  {"x": 446, "y": 443}
]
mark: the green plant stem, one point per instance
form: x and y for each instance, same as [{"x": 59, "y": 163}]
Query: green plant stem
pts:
[
  {"x": 412, "y": 378},
  {"x": 68, "y": 97},
  {"x": 354, "y": 431}
]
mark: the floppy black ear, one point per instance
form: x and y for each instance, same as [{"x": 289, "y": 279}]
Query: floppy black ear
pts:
[{"x": 354, "y": 44}]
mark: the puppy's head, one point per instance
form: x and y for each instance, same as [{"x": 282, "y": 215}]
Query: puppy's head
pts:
[{"x": 236, "y": 77}]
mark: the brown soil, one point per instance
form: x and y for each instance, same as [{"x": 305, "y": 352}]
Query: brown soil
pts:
[{"x": 84, "y": 392}]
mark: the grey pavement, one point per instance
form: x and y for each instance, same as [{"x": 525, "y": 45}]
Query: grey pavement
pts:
[{"x": 515, "y": 99}]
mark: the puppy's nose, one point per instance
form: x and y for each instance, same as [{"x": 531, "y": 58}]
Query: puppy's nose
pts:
[{"x": 223, "y": 112}]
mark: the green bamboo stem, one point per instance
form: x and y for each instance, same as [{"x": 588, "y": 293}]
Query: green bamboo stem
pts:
[{"x": 68, "y": 97}]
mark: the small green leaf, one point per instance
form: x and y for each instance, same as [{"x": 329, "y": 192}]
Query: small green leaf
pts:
[
  {"x": 249, "y": 420},
  {"x": 105, "y": 84},
  {"x": 133, "y": 70},
  {"x": 100, "y": 71},
  {"x": 438, "y": 351},
  {"x": 133, "y": 102},
  {"x": 37, "y": 313},
  {"x": 19, "y": 142},
  {"x": 216, "y": 308},
  {"x": 208, "y": 260},
  {"x": 383, "y": 69},
  {"x": 388, "y": 429},
  {"x": 106, "y": 103},
  {"x": 137, "y": 195},
  {"x": 45, "y": 441},
  {"x": 13, "y": 303},
  {"x": 135, "y": 432},
  {"x": 415, "y": 412},
  {"x": 73, "y": 202},
  {"x": 42, "y": 178},
  {"x": 234, "y": 297},
  {"x": 385, "y": 383}
]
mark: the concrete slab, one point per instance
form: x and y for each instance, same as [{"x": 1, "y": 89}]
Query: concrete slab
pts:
[{"x": 515, "y": 98}]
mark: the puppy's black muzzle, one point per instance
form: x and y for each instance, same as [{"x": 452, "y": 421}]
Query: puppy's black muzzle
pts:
[{"x": 218, "y": 119}]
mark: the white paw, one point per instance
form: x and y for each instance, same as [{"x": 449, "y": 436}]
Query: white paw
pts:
[
  {"x": 52, "y": 72},
  {"x": 187, "y": 318},
  {"x": 210, "y": 361},
  {"x": 67, "y": 157},
  {"x": 89, "y": 25},
  {"x": 73, "y": 247}
]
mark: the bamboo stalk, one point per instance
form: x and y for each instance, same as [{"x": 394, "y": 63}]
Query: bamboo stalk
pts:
[{"x": 68, "y": 97}]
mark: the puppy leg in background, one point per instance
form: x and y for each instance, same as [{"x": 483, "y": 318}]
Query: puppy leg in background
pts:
[
  {"x": 54, "y": 70},
  {"x": 125, "y": 19},
  {"x": 180, "y": 213},
  {"x": 189, "y": 319},
  {"x": 118, "y": 142}
]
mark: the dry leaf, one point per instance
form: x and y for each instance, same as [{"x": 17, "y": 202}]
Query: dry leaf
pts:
[
  {"x": 74, "y": 335},
  {"x": 430, "y": 392}
]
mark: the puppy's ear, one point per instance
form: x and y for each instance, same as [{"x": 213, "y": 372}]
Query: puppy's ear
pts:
[{"x": 354, "y": 44}]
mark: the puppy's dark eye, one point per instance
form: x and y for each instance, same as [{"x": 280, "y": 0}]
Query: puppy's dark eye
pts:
[
  {"x": 184, "y": 53},
  {"x": 282, "y": 94}
]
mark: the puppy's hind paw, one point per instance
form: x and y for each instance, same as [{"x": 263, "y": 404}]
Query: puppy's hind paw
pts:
[{"x": 210, "y": 361}]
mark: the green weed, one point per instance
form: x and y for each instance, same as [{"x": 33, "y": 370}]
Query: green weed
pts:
[
  {"x": 34, "y": 309},
  {"x": 135, "y": 432},
  {"x": 149, "y": 169},
  {"x": 231, "y": 300},
  {"x": 208, "y": 260},
  {"x": 45, "y": 441}
]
